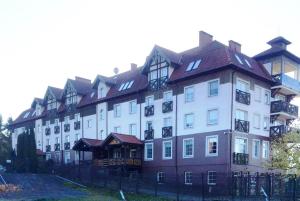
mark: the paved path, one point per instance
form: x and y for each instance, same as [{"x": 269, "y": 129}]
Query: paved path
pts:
[{"x": 37, "y": 186}]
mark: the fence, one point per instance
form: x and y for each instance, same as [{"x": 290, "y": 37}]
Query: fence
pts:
[{"x": 203, "y": 186}]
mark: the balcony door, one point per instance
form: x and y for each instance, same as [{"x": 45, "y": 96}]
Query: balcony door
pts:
[
  {"x": 242, "y": 85},
  {"x": 241, "y": 145}
]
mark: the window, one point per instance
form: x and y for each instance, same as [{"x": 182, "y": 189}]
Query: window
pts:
[
  {"x": 66, "y": 119},
  {"x": 243, "y": 85},
  {"x": 189, "y": 94},
  {"x": 238, "y": 58},
  {"x": 117, "y": 110},
  {"x": 77, "y": 136},
  {"x": 257, "y": 96},
  {"x": 101, "y": 114},
  {"x": 212, "y": 117},
  {"x": 132, "y": 129},
  {"x": 101, "y": 92},
  {"x": 164, "y": 72},
  {"x": 67, "y": 138},
  {"x": 77, "y": 117},
  {"x": 188, "y": 178},
  {"x": 241, "y": 145},
  {"x": 90, "y": 123},
  {"x": 149, "y": 100},
  {"x": 213, "y": 88},
  {"x": 47, "y": 141},
  {"x": 56, "y": 122},
  {"x": 67, "y": 157},
  {"x": 167, "y": 122},
  {"x": 241, "y": 115},
  {"x": 212, "y": 146},
  {"x": 189, "y": 120},
  {"x": 26, "y": 115},
  {"x": 126, "y": 85},
  {"x": 167, "y": 149},
  {"x": 267, "y": 97},
  {"x": 193, "y": 65},
  {"x": 265, "y": 149},
  {"x": 211, "y": 178},
  {"x": 100, "y": 137},
  {"x": 266, "y": 123},
  {"x": 132, "y": 107},
  {"x": 188, "y": 148},
  {"x": 255, "y": 148},
  {"x": 117, "y": 129},
  {"x": 160, "y": 177},
  {"x": 57, "y": 140},
  {"x": 48, "y": 156},
  {"x": 168, "y": 96},
  {"x": 148, "y": 151},
  {"x": 256, "y": 121}
]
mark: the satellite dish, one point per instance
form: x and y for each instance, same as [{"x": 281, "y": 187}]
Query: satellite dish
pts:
[{"x": 116, "y": 70}]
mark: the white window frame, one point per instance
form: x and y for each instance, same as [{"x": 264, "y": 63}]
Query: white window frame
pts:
[
  {"x": 209, "y": 87},
  {"x": 256, "y": 115},
  {"x": 247, "y": 144},
  {"x": 253, "y": 149},
  {"x": 185, "y": 121},
  {"x": 167, "y": 121},
  {"x": 164, "y": 150},
  {"x": 146, "y": 151},
  {"x": 247, "y": 82},
  {"x": 208, "y": 113},
  {"x": 165, "y": 99},
  {"x": 159, "y": 175},
  {"x": 116, "y": 128},
  {"x": 207, "y": 148},
  {"x": 268, "y": 123},
  {"x": 186, "y": 100},
  {"x": 268, "y": 100},
  {"x": 89, "y": 123},
  {"x": 267, "y": 149},
  {"x": 184, "y": 148},
  {"x": 65, "y": 158},
  {"x": 131, "y": 129},
  {"x": 257, "y": 93},
  {"x": 101, "y": 114},
  {"x": 186, "y": 174},
  {"x": 116, "y": 114},
  {"x": 147, "y": 102},
  {"x": 209, "y": 179},
  {"x": 132, "y": 107}
]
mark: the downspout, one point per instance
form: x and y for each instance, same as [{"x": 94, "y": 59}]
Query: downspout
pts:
[
  {"x": 176, "y": 144},
  {"x": 231, "y": 120},
  {"x": 61, "y": 142}
]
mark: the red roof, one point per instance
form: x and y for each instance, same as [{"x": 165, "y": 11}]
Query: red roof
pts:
[
  {"x": 123, "y": 138},
  {"x": 39, "y": 152},
  {"x": 91, "y": 142}
]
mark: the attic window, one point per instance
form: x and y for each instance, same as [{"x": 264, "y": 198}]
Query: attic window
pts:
[
  {"x": 248, "y": 63},
  {"x": 238, "y": 58},
  {"x": 26, "y": 115},
  {"x": 126, "y": 85},
  {"x": 193, "y": 65},
  {"x": 92, "y": 94},
  {"x": 33, "y": 114}
]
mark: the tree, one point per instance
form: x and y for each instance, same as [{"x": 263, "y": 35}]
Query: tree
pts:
[
  {"x": 5, "y": 141},
  {"x": 286, "y": 153}
]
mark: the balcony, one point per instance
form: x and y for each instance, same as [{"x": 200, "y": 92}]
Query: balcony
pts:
[
  {"x": 242, "y": 126},
  {"x": 277, "y": 131},
  {"x": 157, "y": 84},
  {"x": 56, "y": 129},
  {"x": 67, "y": 127},
  {"x": 76, "y": 125},
  {"x": 149, "y": 110},
  {"x": 284, "y": 109},
  {"x": 167, "y": 131},
  {"x": 242, "y": 97},
  {"x": 57, "y": 147},
  {"x": 48, "y": 148},
  {"x": 240, "y": 158},
  {"x": 286, "y": 85},
  {"x": 67, "y": 145},
  {"x": 48, "y": 131},
  {"x": 149, "y": 134},
  {"x": 167, "y": 106},
  {"x": 118, "y": 162}
]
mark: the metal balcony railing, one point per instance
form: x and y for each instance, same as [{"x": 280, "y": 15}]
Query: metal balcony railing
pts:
[
  {"x": 56, "y": 129},
  {"x": 167, "y": 106},
  {"x": 167, "y": 131},
  {"x": 242, "y": 125},
  {"x": 47, "y": 131},
  {"x": 285, "y": 107},
  {"x": 48, "y": 148},
  {"x": 57, "y": 147},
  {"x": 242, "y": 97},
  {"x": 67, "y": 127},
  {"x": 276, "y": 131},
  {"x": 149, "y": 134},
  {"x": 76, "y": 125},
  {"x": 240, "y": 158},
  {"x": 149, "y": 110},
  {"x": 67, "y": 145}
]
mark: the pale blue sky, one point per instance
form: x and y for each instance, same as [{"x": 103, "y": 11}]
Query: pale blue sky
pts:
[{"x": 45, "y": 42}]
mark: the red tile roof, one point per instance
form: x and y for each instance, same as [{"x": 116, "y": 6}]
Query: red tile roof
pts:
[{"x": 123, "y": 138}]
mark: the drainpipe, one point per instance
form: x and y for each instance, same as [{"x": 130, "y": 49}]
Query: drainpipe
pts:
[
  {"x": 231, "y": 120},
  {"x": 176, "y": 146}
]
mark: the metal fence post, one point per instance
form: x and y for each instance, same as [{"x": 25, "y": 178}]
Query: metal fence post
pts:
[
  {"x": 202, "y": 186},
  {"x": 294, "y": 187}
]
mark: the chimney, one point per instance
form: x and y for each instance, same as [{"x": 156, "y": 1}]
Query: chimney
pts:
[
  {"x": 204, "y": 39},
  {"x": 133, "y": 66},
  {"x": 235, "y": 46},
  {"x": 81, "y": 79}
]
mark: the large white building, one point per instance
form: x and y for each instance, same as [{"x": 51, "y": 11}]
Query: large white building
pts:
[{"x": 207, "y": 109}]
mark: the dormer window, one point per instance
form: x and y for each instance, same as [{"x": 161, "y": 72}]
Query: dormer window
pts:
[
  {"x": 26, "y": 115},
  {"x": 71, "y": 98},
  {"x": 239, "y": 59},
  {"x": 51, "y": 103},
  {"x": 126, "y": 85}
]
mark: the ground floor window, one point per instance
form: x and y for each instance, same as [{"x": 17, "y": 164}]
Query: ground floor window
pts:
[
  {"x": 67, "y": 157},
  {"x": 167, "y": 150},
  {"x": 188, "y": 178},
  {"x": 211, "y": 178},
  {"x": 149, "y": 151},
  {"x": 160, "y": 177},
  {"x": 48, "y": 156}
]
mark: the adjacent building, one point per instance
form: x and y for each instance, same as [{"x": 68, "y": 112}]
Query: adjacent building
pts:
[{"x": 208, "y": 109}]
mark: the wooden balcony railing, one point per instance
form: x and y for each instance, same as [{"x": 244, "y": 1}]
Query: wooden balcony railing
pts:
[
  {"x": 282, "y": 106},
  {"x": 118, "y": 162},
  {"x": 167, "y": 131},
  {"x": 240, "y": 158},
  {"x": 157, "y": 84},
  {"x": 167, "y": 106},
  {"x": 277, "y": 131},
  {"x": 149, "y": 110},
  {"x": 242, "y": 97},
  {"x": 242, "y": 126}
]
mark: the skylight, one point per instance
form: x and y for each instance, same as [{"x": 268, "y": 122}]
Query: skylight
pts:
[
  {"x": 248, "y": 63},
  {"x": 92, "y": 94},
  {"x": 26, "y": 115},
  {"x": 126, "y": 85},
  {"x": 33, "y": 114},
  {"x": 193, "y": 65},
  {"x": 238, "y": 58}
]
